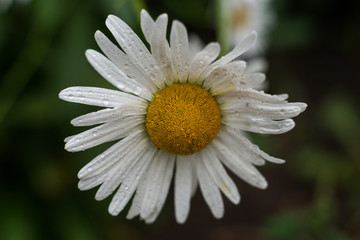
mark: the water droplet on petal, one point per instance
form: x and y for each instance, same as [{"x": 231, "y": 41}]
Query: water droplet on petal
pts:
[{"x": 105, "y": 102}]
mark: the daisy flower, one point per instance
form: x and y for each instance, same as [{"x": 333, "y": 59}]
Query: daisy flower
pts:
[
  {"x": 249, "y": 15},
  {"x": 173, "y": 116}
]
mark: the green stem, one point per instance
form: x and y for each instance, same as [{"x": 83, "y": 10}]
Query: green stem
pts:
[{"x": 223, "y": 24}]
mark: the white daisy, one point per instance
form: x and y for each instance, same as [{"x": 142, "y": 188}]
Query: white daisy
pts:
[
  {"x": 170, "y": 112},
  {"x": 249, "y": 15}
]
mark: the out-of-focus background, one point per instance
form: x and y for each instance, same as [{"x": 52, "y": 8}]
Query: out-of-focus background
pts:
[{"x": 313, "y": 54}]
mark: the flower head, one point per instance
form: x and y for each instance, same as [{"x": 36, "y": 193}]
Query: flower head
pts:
[{"x": 172, "y": 111}]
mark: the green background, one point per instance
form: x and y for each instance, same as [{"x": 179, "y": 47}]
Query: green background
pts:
[{"x": 313, "y": 55}]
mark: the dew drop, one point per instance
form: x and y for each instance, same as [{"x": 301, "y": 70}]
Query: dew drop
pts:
[
  {"x": 120, "y": 85},
  {"x": 137, "y": 90},
  {"x": 105, "y": 102}
]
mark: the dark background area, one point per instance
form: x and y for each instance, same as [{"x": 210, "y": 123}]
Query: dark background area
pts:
[{"x": 313, "y": 55}]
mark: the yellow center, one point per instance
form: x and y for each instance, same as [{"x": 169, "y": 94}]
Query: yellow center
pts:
[
  {"x": 182, "y": 118},
  {"x": 240, "y": 17}
]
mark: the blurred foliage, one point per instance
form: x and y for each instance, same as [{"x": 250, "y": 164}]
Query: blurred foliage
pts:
[{"x": 313, "y": 56}]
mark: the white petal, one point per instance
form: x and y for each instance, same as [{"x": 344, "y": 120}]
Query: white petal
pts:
[
  {"x": 234, "y": 97},
  {"x": 164, "y": 189},
  {"x": 129, "y": 185},
  {"x": 209, "y": 190},
  {"x": 202, "y": 60},
  {"x": 118, "y": 172},
  {"x": 155, "y": 34},
  {"x": 194, "y": 180},
  {"x": 97, "y": 96},
  {"x": 147, "y": 24},
  {"x": 252, "y": 148},
  {"x": 123, "y": 62},
  {"x": 219, "y": 175},
  {"x": 88, "y": 183},
  {"x": 115, "y": 76},
  {"x": 254, "y": 79},
  {"x": 242, "y": 47},
  {"x": 237, "y": 146},
  {"x": 135, "y": 208},
  {"x": 183, "y": 187},
  {"x": 155, "y": 178},
  {"x": 103, "y": 133},
  {"x": 162, "y": 22},
  {"x": 195, "y": 44},
  {"x": 68, "y": 138},
  {"x": 165, "y": 185},
  {"x": 109, "y": 115},
  {"x": 241, "y": 168},
  {"x": 179, "y": 43},
  {"x": 108, "y": 158},
  {"x": 135, "y": 49},
  {"x": 261, "y": 109},
  {"x": 258, "y": 124},
  {"x": 228, "y": 78}
]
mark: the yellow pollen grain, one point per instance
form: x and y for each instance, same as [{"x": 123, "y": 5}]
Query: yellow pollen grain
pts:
[{"x": 182, "y": 118}]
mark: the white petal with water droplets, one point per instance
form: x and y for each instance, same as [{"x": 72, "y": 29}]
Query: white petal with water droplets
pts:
[
  {"x": 97, "y": 96},
  {"x": 155, "y": 34},
  {"x": 162, "y": 22},
  {"x": 209, "y": 190},
  {"x": 154, "y": 180},
  {"x": 117, "y": 173},
  {"x": 219, "y": 175},
  {"x": 254, "y": 79},
  {"x": 274, "y": 111},
  {"x": 115, "y": 76},
  {"x": 179, "y": 43},
  {"x": 164, "y": 188},
  {"x": 183, "y": 187},
  {"x": 228, "y": 78},
  {"x": 135, "y": 208},
  {"x": 202, "y": 60},
  {"x": 242, "y": 47},
  {"x": 109, "y": 115},
  {"x": 136, "y": 205},
  {"x": 109, "y": 157},
  {"x": 88, "y": 183},
  {"x": 123, "y": 62},
  {"x": 241, "y": 168},
  {"x": 260, "y": 124},
  {"x": 253, "y": 149},
  {"x": 135, "y": 49},
  {"x": 248, "y": 154},
  {"x": 132, "y": 178},
  {"x": 103, "y": 133},
  {"x": 234, "y": 97}
]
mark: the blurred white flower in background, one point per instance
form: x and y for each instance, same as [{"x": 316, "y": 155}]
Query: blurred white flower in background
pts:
[{"x": 247, "y": 16}]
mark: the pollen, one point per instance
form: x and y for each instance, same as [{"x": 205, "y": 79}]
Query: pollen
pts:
[{"x": 183, "y": 118}]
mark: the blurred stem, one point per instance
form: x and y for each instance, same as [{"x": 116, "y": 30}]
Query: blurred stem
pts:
[{"x": 223, "y": 24}]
